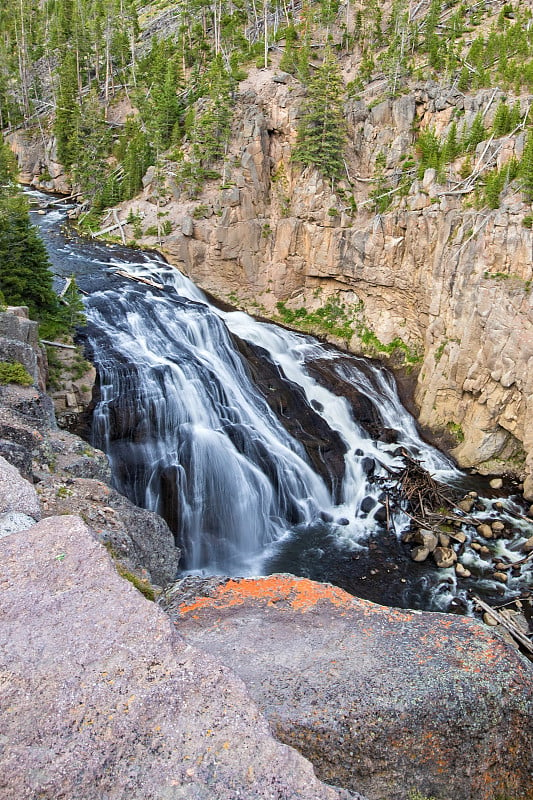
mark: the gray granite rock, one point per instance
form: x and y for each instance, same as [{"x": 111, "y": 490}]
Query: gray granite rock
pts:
[
  {"x": 16, "y": 493},
  {"x": 381, "y": 700},
  {"x": 138, "y": 538},
  {"x": 12, "y": 522},
  {"x": 100, "y": 698}
]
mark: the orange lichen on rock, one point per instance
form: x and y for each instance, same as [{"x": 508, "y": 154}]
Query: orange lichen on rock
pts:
[
  {"x": 298, "y": 594},
  {"x": 286, "y": 592}
]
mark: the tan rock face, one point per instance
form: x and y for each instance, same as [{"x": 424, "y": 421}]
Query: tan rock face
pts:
[{"x": 451, "y": 282}]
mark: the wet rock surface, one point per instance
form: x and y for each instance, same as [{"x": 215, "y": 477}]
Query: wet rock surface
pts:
[
  {"x": 379, "y": 699},
  {"x": 46, "y": 471},
  {"x": 324, "y": 447},
  {"x": 100, "y": 697}
]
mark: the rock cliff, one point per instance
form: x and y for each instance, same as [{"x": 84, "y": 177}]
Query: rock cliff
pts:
[
  {"x": 431, "y": 282},
  {"x": 447, "y": 284}
]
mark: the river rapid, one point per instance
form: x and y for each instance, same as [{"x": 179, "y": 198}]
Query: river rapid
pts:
[{"x": 265, "y": 450}]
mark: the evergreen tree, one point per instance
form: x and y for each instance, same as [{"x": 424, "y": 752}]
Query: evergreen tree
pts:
[
  {"x": 500, "y": 126},
  {"x": 89, "y": 147},
  {"x": 322, "y": 130},
  {"x": 67, "y": 110},
  {"x": 25, "y": 277},
  {"x": 451, "y": 146},
  {"x": 476, "y": 134},
  {"x": 526, "y": 168},
  {"x": 211, "y": 129},
  {"x": 135, "y": 155}
]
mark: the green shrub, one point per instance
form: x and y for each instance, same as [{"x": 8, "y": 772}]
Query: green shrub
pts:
[{"x": 14, "y": 372}]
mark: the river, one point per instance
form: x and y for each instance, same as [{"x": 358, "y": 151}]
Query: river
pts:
[{"x": 265, "y": 450}]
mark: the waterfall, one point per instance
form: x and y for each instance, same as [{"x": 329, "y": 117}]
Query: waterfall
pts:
[
  {"x": 189, "y": 436},
  {"x": 265, "y": 450}
]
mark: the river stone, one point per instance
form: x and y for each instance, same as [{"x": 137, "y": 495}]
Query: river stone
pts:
[
  {"x": 16, "y": 493},
  {"x": 496, "y": 483},
  {"x": 500, "y": 576},
  {"x": 101, "y": 698},
  {"x": 466, "y": 504},
  {"x": 359, "y": 688},
  {"x": 367, "y": 504},
  {"x": 368, "y": 465},
  {"x": 527, "y": 547},
  {"x": 497, "y": 526},
  {"x": 426, "y": 538},
  {"x": 380, "y": 515},
  {"x": 485, "y": 531},
  {"x": 444, "y": 557},
  {"x": 462, "y": 571},
  {"x": 420, "y": 553}
]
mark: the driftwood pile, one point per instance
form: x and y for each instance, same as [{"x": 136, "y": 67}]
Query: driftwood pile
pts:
[{"x": 422, "y": 492}]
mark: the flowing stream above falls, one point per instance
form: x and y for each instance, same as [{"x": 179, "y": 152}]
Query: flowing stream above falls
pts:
[{"x": 262, "y": 448}]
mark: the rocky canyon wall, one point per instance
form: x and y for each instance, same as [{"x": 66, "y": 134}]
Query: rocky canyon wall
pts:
[
  {"x": 436, "y": 280},
  {"x": 449, "y": 281}
]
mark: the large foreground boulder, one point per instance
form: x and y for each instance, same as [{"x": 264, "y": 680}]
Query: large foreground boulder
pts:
[
  {"x": 384, "y": 700},
  {"x": 100, "y": 699}
]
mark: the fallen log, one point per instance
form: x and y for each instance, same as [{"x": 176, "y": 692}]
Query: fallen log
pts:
[
  {"x": 147, "y": 281},
  {"x": 510, "y": 627},
  {"x": 59, "y": 344}
]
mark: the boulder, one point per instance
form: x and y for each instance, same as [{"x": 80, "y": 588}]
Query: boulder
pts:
[
  {"x": 16, "y": 493},
  {"x": 101, "y": 698},
  {"x": 444, "y": 557},
  {"x": 13, "y": 521},
  {"x": 461, "y": 571},
  {"x": 426, "y": 538},
  {"x": 385, "y": 700},
  {"x": 527, "y": 547},
  {"x": 367, "y": 504},
  {"x": 140, "y": 539},
  {"x": 420, "y": 553}
]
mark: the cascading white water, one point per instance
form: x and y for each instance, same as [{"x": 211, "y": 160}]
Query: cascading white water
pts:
[{"x": 189, "y": 436}]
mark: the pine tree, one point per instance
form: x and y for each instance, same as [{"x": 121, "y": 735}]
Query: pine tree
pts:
[
  {"x": 25, "y": 277},
  {"x": 135, "y": 155},
  {"x": 476, "y": 134},
  {"x": 451, "y": 146},
  {"x": 322, "y": 130},
  {"x": 89, "y": 147},
  {"x": 526, "y": 168},
  {"x": 211, "y": 128},
  {"x": 67, "y": 110},
  {"x": 500, "y": 126}
]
